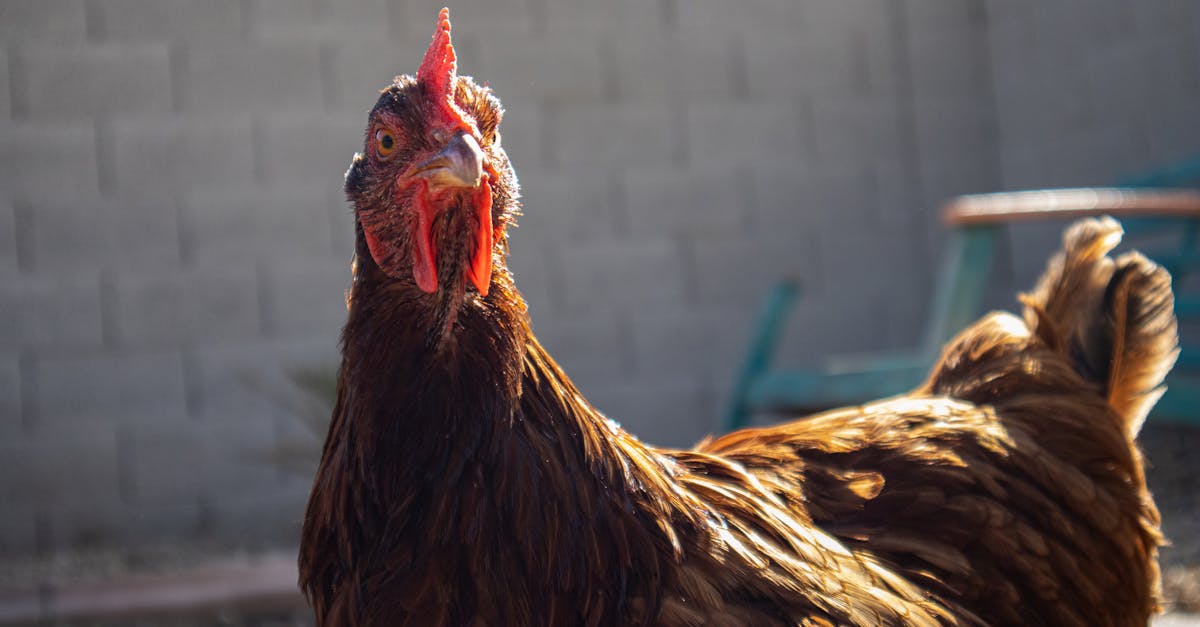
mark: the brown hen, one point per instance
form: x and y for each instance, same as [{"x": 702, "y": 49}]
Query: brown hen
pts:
[{"x": 466, "y": 481}]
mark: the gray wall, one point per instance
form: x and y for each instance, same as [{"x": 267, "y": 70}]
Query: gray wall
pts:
[
  {"x": 1089, "y": 91},
  {"x": 173, "y": 238}
]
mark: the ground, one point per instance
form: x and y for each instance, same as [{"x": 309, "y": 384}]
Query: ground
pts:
[{"x": 1173, "y": 472}]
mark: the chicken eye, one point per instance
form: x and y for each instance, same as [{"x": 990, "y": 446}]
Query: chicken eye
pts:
[{"x": 385, "y": 142}]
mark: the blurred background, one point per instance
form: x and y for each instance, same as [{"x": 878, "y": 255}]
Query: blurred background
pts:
[{"x": 174, "y": 243}]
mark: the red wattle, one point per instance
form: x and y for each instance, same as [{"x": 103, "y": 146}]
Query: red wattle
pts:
[
  {"x": 424, "y": 255},
  {"x": 480, "y": 270}
]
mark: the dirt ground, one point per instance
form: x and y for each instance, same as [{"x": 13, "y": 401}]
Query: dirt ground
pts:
[{"x": 1173, "y": 472}]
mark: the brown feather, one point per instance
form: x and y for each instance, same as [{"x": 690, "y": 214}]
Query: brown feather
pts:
[{"x": 466, "y": 481}]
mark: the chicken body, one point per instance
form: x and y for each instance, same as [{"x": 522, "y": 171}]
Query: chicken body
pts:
[{"x": 466, "y": 481}]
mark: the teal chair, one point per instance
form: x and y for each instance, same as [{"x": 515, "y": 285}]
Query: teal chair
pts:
[
  {"x": 977, "y": 221},
  {"x": 1182, "y": 401}
]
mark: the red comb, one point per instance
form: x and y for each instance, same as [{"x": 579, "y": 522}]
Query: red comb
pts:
[{"x": 439, "y": 67}]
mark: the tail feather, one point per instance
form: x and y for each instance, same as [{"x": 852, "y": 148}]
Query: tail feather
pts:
[{"x": 1115, "y": 319}]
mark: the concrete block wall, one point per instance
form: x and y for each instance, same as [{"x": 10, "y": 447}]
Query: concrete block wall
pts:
[
  {"x": 173, "y": 244},
  {"x": 173, "y": 238},
  {"x": 1087, "y": 92}
]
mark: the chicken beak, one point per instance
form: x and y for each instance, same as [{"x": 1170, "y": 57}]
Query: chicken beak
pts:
[{"x": 457, "y": 167}]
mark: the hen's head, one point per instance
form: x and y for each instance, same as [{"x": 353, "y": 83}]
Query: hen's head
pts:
[{"x": 433, "y": 190}]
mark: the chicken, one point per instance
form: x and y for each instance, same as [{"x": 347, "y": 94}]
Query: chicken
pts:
[{"x": 466, "y": 481}]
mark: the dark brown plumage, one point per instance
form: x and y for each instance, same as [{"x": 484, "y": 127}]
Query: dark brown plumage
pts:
[{"x": 466, "y": 481}]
